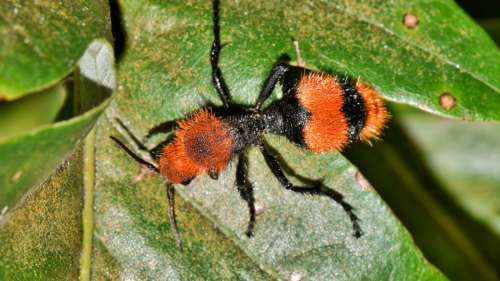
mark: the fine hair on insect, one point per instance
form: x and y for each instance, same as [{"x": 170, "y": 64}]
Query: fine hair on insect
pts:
[{"x": 318, "y": 112}]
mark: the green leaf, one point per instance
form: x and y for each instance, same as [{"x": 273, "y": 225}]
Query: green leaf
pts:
[
  {"x": 42, "y": 239},
  {"x": 42, "y": 234},
  {"x": 34, "y": 155},
  {"x": 465, "y": 158},
  {"x": 446, "y": 52},
  {"x": 43, "y": 40},
  {"x": 44, "y": 108},
  {"x": 306, "y": 235},
  {"x": 165, "y": 74},
  {"x": 427, "y": 170}
]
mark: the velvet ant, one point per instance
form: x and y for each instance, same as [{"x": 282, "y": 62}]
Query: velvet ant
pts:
[{"x": 318, "y": 112}]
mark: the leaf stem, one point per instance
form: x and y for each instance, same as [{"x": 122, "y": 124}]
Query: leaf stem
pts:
[{"x": 88, "y": 205}]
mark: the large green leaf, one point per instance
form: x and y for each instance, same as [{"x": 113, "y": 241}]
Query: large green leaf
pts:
[
  {"x": 165, "y": 74},
  {"x": 43, "y": 40},
  {"x": 295, "y": 234},
  {"x": 446, "y": 52}
]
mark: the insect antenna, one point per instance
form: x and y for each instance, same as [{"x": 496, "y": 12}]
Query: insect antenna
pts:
[
  {"x": 136, "y": 141},
  {"x": 137, "y": 158}
]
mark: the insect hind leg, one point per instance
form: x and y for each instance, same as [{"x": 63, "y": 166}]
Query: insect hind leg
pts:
[{"x": 312, "y": 190}]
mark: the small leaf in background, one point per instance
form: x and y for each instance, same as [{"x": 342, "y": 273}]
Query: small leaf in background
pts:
[
  {"x": 43, "y": 108},
  {"x": 34, "y": 155},
  {"x": 465, "y": 158},
  {"x": 41, "y": 226},
  {"x": 427, "y": 171},
  {"x": 42, "y": 43},
  {"x": 43, "y": 40}
]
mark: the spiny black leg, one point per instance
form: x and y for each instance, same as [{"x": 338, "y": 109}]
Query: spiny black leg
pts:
[
  {"x": 313, "y": 190},
  {"x": 217, "y": 79},
  {"x": 271, "y": 81},
  {"x": 165, "y": 127},
  {"x": 171, "y": 215},
  {"x": 246, "y": 191},
  {"x": 136, "y": 157},
  {"x": 157, "y": 151}
]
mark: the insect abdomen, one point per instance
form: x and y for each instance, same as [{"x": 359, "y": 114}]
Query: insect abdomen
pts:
[{"x": 334, "y": 112}]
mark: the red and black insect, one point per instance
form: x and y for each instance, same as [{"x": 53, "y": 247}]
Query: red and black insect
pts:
[{"x": 318, "y": 112}]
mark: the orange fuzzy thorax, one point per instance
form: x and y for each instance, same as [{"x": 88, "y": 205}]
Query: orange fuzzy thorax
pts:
[
  {"x": 326, "y": 129},
  {"x": 202, "y": 144}
]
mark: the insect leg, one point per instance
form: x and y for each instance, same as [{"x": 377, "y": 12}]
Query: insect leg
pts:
[
  {"x": 312, "y": 190},
  {"x": 246, "y": 191},
  {"x": 217, "y": 78},
  {"x": 165, "y": 127},
  {"x": 170, "y": 190},
  {"x": 276, "y": 75},
  {"x": 171, "y": 215}
]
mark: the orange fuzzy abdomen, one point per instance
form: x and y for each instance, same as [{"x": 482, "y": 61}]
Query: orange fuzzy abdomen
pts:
[
  {"x": 339, "y": 112},
  {"x": 322, "y": 96},
  {"x": 376, "y": 113}
]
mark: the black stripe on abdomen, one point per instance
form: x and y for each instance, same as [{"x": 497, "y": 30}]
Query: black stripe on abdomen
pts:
[{"x": 353, "y": 108}]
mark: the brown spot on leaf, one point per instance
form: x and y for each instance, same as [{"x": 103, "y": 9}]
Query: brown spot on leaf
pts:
[
  {"x": 447, "y": 101},
  {"x": 410, "y": 20}
]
